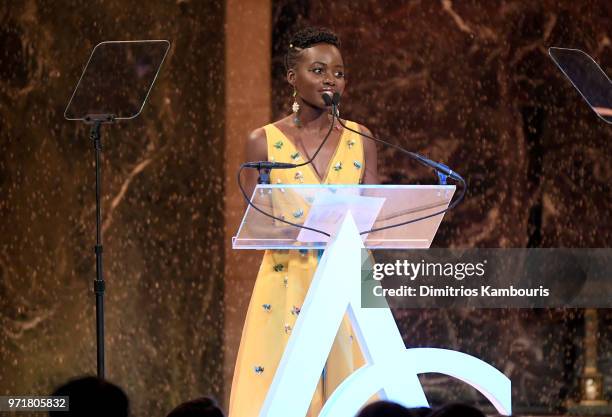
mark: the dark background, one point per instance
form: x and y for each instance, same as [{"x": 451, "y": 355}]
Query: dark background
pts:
[{"x": 468, "y": 83}]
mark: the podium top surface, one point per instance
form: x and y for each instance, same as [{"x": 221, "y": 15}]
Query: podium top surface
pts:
[{"x": 323, "y": 207}]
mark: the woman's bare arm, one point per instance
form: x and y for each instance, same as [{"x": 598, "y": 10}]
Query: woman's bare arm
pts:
[{"x": 256, "y": 150}]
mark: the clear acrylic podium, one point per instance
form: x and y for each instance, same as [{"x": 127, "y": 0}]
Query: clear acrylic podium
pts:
[
  {"x": 344, "y": 212},
  {"x": 396, "y": 203}
]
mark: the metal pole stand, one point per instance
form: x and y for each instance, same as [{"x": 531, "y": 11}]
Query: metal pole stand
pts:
[{"x": 99, "y": 286}]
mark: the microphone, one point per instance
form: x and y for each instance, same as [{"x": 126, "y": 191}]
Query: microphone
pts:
[
  {"x": 332, "y": 101},
  {"x": 440, "y": 167},
  {"x": 336, "y": 99},
  {"x": 329, "y": 101}
]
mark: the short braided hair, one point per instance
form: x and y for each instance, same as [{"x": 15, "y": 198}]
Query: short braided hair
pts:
[{"x": 305, "y": 38}]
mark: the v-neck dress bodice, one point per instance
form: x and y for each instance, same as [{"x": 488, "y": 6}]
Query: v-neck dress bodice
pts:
[
  {"x": 345, "y": 166},
  {"x": 283, "y": 281}
]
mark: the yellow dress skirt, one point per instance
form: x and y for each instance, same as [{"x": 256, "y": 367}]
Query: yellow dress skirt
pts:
[{"x": 281, "y": 286}]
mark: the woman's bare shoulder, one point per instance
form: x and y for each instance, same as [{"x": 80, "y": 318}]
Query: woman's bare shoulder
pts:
[
  {"x": 256, "y": 145},
  {"x": 257, "y": 135}
]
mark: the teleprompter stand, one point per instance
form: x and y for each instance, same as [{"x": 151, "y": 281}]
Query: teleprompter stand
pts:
[
  {"x": 94, "y": 135},
  {"x": 114, "y": 85}
]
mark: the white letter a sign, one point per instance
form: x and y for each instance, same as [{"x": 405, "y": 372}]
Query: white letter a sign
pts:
[{"x": 391, "y": 369}]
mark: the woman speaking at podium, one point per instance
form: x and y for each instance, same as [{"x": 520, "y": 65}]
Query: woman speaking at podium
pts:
[{"x": 314, "y": 67}]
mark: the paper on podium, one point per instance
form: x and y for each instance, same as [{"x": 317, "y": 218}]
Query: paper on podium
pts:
[{"x": 328, "y": 210}]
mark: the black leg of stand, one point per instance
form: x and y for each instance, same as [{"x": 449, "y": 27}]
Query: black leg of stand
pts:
[{"x": 99, "y": 281}]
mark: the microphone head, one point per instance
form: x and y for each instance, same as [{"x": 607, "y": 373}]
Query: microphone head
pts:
[
  {"x": 327, "y": 99},
  {"x": 336, "y": 99}
]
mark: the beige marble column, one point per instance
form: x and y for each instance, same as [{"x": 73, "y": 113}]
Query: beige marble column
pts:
[{"x": 248, "y": 36}]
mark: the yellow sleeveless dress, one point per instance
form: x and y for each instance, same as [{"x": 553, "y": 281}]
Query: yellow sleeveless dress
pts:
[{"x": 281, "y": 286}]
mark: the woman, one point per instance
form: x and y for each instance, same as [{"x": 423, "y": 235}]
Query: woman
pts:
[{"x": 314, "y": 67}]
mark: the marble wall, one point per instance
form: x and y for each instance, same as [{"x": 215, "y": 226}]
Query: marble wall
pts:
[
  {"x": 471, "y": 84},
  {"x": 162, "y": 215}
]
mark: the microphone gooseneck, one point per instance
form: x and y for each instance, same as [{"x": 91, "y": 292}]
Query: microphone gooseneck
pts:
[
  {"x": 425, "y": 161},
  {"x": 416, "y": 156}
]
